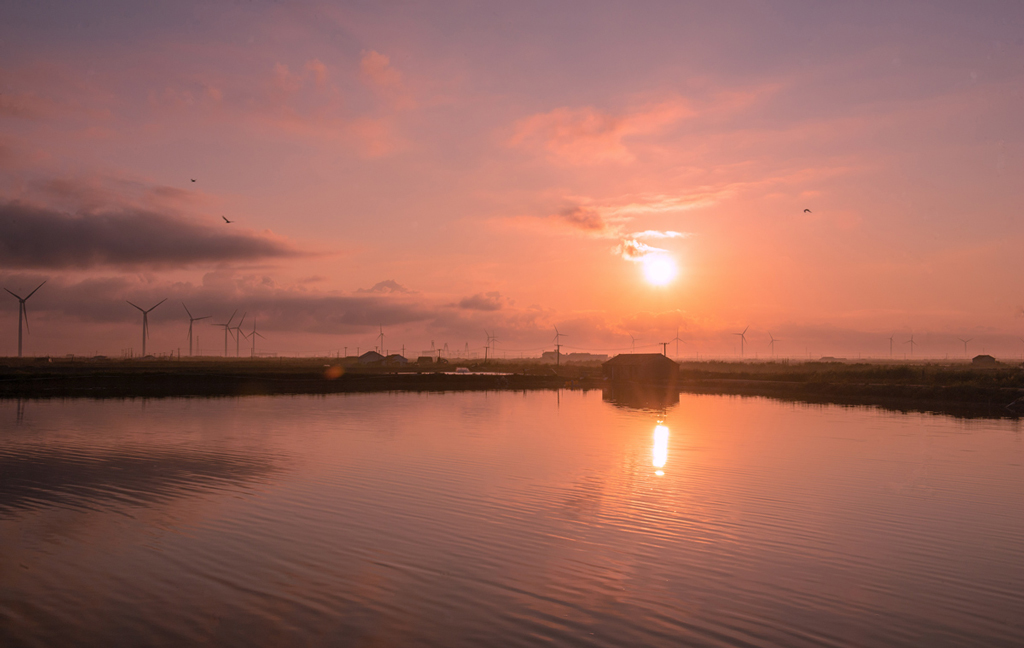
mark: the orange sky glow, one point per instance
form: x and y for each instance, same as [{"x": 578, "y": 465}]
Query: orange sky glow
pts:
[{"x": 834, "y": 175}]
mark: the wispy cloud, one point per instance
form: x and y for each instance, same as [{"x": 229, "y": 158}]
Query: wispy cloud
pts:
[
  {"x": 387, "y": 287},
  {"x": 591, "y": 136},
  {"x": 377, "y": 71},
  {"x": 631, "y": 249},
  {"x": 490, "y": 301}
]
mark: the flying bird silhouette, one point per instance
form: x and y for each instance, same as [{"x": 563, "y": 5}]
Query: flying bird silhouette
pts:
[
  {"x": 806, "y": 211},
  {"x": 192, "y": 179},
  {"x": 226, "y": 219}
]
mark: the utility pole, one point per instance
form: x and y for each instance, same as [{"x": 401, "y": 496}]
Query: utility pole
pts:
[{"x": 664, "y": 347}]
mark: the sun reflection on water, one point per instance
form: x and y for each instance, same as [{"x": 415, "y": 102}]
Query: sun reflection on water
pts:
[{"x": 659, "y": 453}]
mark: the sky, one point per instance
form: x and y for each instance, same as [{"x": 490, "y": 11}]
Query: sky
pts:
[{"x": 833, "y": 175}]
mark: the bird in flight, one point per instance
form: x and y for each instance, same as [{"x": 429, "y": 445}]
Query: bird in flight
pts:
[
  {"x": 806, "y": 211},
  {"x": 192, "y": 179},
  {"x": 226, "y": 219}
]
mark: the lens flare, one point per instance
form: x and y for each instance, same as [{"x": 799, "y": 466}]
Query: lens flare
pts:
[{"x": 659, "y": 269}]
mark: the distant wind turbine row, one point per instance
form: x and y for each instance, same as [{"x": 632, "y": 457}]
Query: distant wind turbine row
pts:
[{"x": 235, "y": 331}]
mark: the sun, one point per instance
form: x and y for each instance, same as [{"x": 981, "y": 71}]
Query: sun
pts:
[{"x": 659, "y": 269}]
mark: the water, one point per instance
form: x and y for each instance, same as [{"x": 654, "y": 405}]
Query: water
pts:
[{"x": 511, "y": 519}]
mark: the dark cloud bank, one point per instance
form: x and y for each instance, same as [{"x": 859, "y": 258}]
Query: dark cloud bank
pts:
[{"x": 34, "y": 237}]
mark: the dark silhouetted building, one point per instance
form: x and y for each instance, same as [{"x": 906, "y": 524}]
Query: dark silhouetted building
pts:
[
  {"x": 648, "y": 368},
  {"x": 371, "y": 357},
  {"x": 984, "y": 361}
]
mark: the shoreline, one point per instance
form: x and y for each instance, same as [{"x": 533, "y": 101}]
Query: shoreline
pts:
[{"x": 950, "y": 390}]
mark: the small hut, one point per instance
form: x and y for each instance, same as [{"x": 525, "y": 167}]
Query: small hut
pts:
[
  {"x": 648, "y": 368},
  {"x": 370, "y": 358}
]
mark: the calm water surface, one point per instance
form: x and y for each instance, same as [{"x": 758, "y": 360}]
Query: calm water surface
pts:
[{"x": 473, "y": 519}]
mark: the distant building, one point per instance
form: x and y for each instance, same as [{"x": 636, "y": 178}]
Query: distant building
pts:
[
  {"x": 984, "y": 361},
  {"x": 585, "y": 357},
  {"x": 371, "y": 357},
  {"x": 567, "y": 358},
  {"x": 653, "y": 368},
  {"x": 425, "y": 360},
  {"x": 396, "y": 359}
]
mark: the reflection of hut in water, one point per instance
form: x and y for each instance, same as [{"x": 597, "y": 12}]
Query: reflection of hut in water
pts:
[{"x": 640, "y": 396}]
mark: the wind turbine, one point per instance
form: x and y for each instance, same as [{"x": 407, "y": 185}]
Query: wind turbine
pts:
[
  {"x": 227, "y": 329},
  {"x": 490, "y": 344},
  {"x": 23, "y": 313},
  {"x": 633, "y": 340},
  {"x": 558, "y": 346},
  {"x": 890, "y": 343},
  {"x": 145, "y": 323},
  {"x": 381, "y": 339},
  {"x": 743, "y": 339},
  {"x": 965, "y": 344},
  {"x": 190, "y": 320},
  {"x": 911, "y": 343},
  {"x": 238, "y": 334},
  {"x": 677, "y": 341},
  {"x": 772, "y": 343},
  {"x": 252, "y": 336}
]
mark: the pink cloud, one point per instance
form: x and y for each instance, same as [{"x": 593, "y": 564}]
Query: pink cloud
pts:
[
  {"x": 376, "y": 69},
  {"x": 589, "y": 136},
  {"x": 377, "y": 72}
]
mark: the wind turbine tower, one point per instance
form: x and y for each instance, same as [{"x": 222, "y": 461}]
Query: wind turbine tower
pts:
[
  {"x": 238, "y": 334},
  {"x": 145, "y": 323},
  {"x": 558, "y": 346},
  {"x": 911, "y": 343},
  {"x": 677, "y": 341},
  {"x": 190, "y": 321},
  {"x": 743, "y": 339},
  {"x": 891, "y": 337},
  {"x": 227, "y": 329},
  {"x": 253, "y": 336},
  {"x": 772, "y": 343},
  {"x": 491, "y": 339},
  {"x": 965, "y": 344},
  {"x": 23, "y": 312}
]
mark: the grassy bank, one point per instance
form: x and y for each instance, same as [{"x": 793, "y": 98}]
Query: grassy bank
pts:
[
  {"x": 104, "y": 378},
  {"x": 956, "y": 388}
]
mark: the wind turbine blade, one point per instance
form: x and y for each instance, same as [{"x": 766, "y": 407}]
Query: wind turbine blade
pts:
[
  {"x": 24, "y": 312},
  {"x": 159, "y": 302},
  {"x": 232, "y": 317},
  {"x": 202, "y": 318},
  {"x": 34, "y": 291},
  {"x": 745, "y": 330},
  {"x": 187, "y": 311},
  {"x": 139, "y": 307},
  {"x": 15, "y": 296}
]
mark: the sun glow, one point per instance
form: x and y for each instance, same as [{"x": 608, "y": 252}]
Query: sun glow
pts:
[{"x": 659, "y": 269}]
